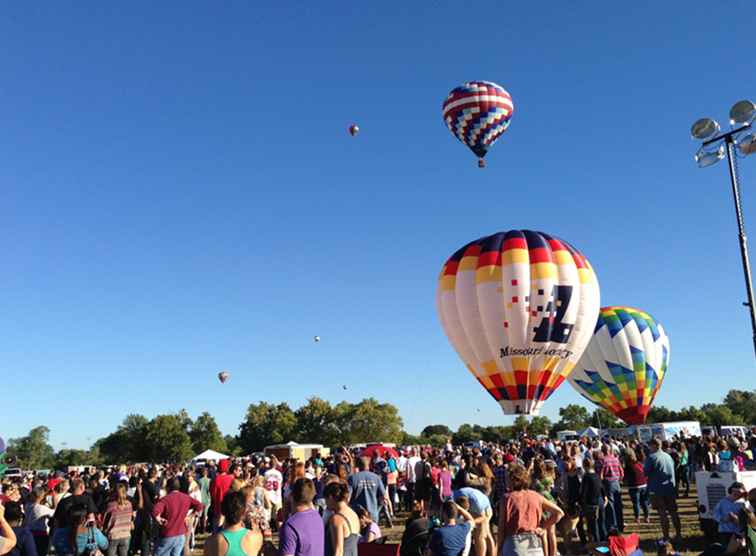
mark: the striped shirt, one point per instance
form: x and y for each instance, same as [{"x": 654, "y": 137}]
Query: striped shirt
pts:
[
  {"x": 118, "y": 520},
  {"x": 611, "y": 470}
]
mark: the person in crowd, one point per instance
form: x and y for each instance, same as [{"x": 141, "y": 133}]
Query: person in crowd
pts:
[
  {"x": 522, "y": 520},
  {"x": 7, "y": 535},
  {"x": 204, "y": 484},
  {"x": 218, "y": 488},
  {"x": 24, "y": 540},
  {"x": 367, "y": 490},
  {"x": 416, "y": 534},
  {"x": 612, "y": 475},
  {"x": 543, "y": 481},
  {"x": 635, "y": 480},
  {"x": 79, "y": 535},
  {"x": 479, "y": 506},
  {"x": 727, "y": 513},
  {"x": 37, "y": 516},
  {"x": 234, "y": 539},
  {"x": 78, "y": 498},
  {"x": 369, "y": 529},
  {"x": 302, "y": 534},
  {"x": 592, "y": 499},
  {"x": 343, "y": 527},
  {"x": 255, "y": 517},
  {"x": 444, "y": 482},
  {"x": 451, "y": 538},
  {"x": 273, "y": 486},
  {"x": 118, "y": 522},
  {"x": 682, "y": 473},
  {"x": 145, "y": 527},
  {"x": 170, "y": 512},
  {"x": 60, "y": 490},
  {"x": 660, "y": 475}
]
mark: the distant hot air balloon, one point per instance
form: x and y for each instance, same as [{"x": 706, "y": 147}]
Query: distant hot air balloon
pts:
[
  {"x": 519, "y": 308},
  {"x": 317, "y": 339},
  {"x": 344, "y": 387},
  {"x": 624, "y": 365},
  {"x": 354, "y": 129},
  {"x": 223, "y": 376},
  {"x": 478, "y": 113}
]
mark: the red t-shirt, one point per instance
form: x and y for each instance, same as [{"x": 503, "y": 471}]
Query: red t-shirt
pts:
[
  {"x": 218, "y": 489},
  {"x": 173, "y": 508}
]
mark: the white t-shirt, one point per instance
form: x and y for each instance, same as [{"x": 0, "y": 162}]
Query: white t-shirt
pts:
[
  {"x": 411, "y": 463},
  {"x": 273, "y": 482}
]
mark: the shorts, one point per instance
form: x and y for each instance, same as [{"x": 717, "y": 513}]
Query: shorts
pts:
[{"x": 664, "y": 502}]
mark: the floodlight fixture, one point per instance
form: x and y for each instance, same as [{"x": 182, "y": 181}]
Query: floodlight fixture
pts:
[
  {"x": 704, "y": 128},
  {"x": 707, "y": 157},
  {"x": 742, "y": 112}
]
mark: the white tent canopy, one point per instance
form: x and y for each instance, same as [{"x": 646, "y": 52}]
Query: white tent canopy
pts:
[
  {"x": 590, "y": 432},
  {"x": 210, "y": 454}
]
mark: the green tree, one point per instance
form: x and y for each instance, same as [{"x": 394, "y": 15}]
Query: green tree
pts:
[
  {"x": 520, "y": 426},
  {"x": 431, "y": 430},
  {"x": 168, "y": 440},
  {"x": 206, "y": 435},
  {"x": 232, "y": 443},
  {"x": 572, "y": 417},
  {"x": 465, "y": 433},
  {"x": 369, "y": 421},
  {"x": 436, "y": 440},
  {"x": 33, "y": 450},
  {"x": 412, "y": 439},
  {"x": 602, "y": 419},
  {"x": 127, "y": 443},
  {"x": 720, "y": 414},
  {"x": 318, "y": 422},
  {"x": 266, "y": 424},
  {"x": 660, "y": 414},
  {"x": 498, "y": 434},
  {"x": 67, "y": 457},
  {"x": 742, "y": 403},
  {"x": 539, "y": 425}
]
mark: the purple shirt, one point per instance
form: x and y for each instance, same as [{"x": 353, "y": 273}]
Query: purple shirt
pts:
[{"x": 303, "y": 534}]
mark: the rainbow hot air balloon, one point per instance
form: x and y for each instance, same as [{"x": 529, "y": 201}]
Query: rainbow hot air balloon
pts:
[
  {"x": 477, "y": 113},
  {"x": 223, "y": 376},
  {"x": 625, "y": 362},
  {"x": 519, "y": 308}
]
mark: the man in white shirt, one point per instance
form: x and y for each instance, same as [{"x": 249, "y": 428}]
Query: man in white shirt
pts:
[{"x": 273, "y": 483}]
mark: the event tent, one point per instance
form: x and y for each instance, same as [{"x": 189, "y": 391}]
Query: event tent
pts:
[
  {"x": 210, "y": 454},
  {"x": 590, "y": 432}
]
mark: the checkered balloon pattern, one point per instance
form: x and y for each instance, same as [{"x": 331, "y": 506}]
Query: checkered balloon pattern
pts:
[
  {"x": 519, "y": 308},
  {"x": 625, "y": 362},
  {"x": 477, "y": 113}
]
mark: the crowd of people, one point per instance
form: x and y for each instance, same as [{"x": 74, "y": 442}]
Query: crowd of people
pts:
[{"x": 480, "y": 500}]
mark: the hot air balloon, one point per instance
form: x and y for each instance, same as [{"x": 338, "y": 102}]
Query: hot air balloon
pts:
[
  {"x": 625, "y": 362},
  {"x": 317, "y": 339},
  {"x": 223, "y": 376},
  {"x": 477, "y": 113},
  {"x": 354, "y": 129},
  {"x": 519, "y": 308}
]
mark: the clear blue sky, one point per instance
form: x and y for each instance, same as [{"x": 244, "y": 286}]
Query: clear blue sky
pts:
[{"x": 179, "y": 195}]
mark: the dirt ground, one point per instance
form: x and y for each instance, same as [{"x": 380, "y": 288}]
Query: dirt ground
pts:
[{"x": 693, "y": 541}]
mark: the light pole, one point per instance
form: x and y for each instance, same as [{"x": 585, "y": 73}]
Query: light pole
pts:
[{"x": 715, "y": 147}]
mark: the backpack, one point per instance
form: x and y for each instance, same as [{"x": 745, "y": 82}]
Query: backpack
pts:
[{"x": 726, "y": 466}]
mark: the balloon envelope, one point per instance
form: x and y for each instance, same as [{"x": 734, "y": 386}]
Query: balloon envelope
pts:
[
  {"x": 316, "y": 338},
  {"x": 478, "y": 113},
  {"x": 223, "y": 376},
  {"x": 519, "y": 308},
  {"x": 354, "y": 129},
  {"x": 625, "y": 362}
]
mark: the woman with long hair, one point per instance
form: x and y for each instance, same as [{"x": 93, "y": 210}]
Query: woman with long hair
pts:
[
  {"x": 119, "y": 521},
  {"x": 343, "y": 527},
  {"x": 635, "y": 479},
  {"x": 521, "y": 518},
  {"x": 37, "y": 515},
  {"x": 79, "y": 537},
  {"x": 234, "y": 539}
]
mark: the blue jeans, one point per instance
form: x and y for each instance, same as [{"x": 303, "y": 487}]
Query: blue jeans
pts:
[
  {"x": 614, "y": 507},
  {"x": 170, "y": 546},
  {"x": 639, "y": 498}
]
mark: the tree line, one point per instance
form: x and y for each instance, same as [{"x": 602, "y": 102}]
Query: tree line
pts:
[{"x": 177, "y": 437}]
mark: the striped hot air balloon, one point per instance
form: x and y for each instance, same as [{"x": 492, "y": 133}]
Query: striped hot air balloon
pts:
[
  {"x": 625, "y": 362},
  {"x": 477, "y": 113},
  {"x": 519, "y": 308},
  {"x": 223, "y": 376}
]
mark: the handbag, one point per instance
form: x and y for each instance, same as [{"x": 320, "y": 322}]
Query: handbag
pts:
[{"x": 91, "y": 548}]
